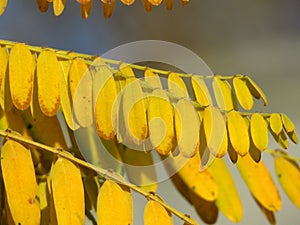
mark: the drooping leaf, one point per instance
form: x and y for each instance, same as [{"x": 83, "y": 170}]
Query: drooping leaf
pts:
[
  {"x": 238, "y": 132},
  {"x": 156, "y": 214},
  {"x": 3, "y": 4},
  {"x": 176, "y": 85},
  {"x": 270, "y": 215},
  {"x": 128, "y": 2},
  {"x": 187, "y": 126},
  {"x": 108, "y": 7},
  {"x": 287, "y": 123},
  {"x": 224, "y": 94},
  {"x": 288, "y": 174},
  {"x": 281, "y": 139},
  {"x": 114, "y": 204},
  {"x": 21, "y": 75},
  {"x": 68, "y": 192},
  {"x": 228, "y": 200},
  {"x": 260, "y": 183},
  {"x": 58, "y": 7},
  {"x": 259, "y": 131},
  {"x": 147, "y": 5},
  {"x": 86, "y": 9},
  {"x": 5, "y": 95},
  {"x": 43, "y": 5},
  {"x": 243, "y": 94},
  {"x": 201, "y": 91},
  {"x": 20, "y": 183},
  {"x": 276, "y": 123},
  {"x": 48, "y": 81},
  {"x": 155, "y": 2},
  {"x": 215, "y": 131},
  {"x": 160, "y": 121},
  {"x": 152, "y": 78},
  {"x": 256, "y": 90},
  {"x": 169, "y": 4}
]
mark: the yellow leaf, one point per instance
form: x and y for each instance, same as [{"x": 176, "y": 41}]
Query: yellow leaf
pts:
[
  {"x": 58, "y": 7},
  {"x": 86, "y": 9},
  {"x": 243, "y": 94},
  {"x": 187, "y": 126},
  {"x": 281, "y": 139},
  {"x": 147, "y": 5},
  {"x": 48, "y": 81},
  {"x": 160, "y": 121},
  {"x": 105, "y": 93},
  {"x": 20, "y": 183},
  {"x": 126, "y": 70},
  {"x": 114, "y": 205},
  {"x": 268, "y": 214},
  {"x": 152, "y": 78},
  {"x": 177, "y": 86},
  {"x": 255, "y": 90},
  {"x": 5, "y": 95},
  {"x": 80, "y": 83},
  {"x": 224, "y": 94},
  {"x": 287, "y": 123},
  {"x": 140, "y": 169},
  {"x": 21, "y": 75},
  {"x": 156, "y": 214},
  {"x": 215, "y": 131},
  {"x": 201, "y": 91},
  {"x": 134, "y": 111},
  {"x": 44, "y": 197},
  {"x": 3, "y": 4},
  {"x": 155, "y": 2},
  {"x": 275, "y": 123},
  {"x": 184, "y": 2},
  {"x": 260, "y": 183},
  {"x": 43, "y": 5},
  {"x": 288, "y": 174},
  {"x": 67, "y": 191},
  {"x": 108, "y": 7},
  {"x": 259, "y": 131},
  {"x": 128, "y": 2},
  {"x": 169, "y": 4},
  {"x": 84, "y": 2},
  {"x": 238, "y": 132},
  {"x": 65, "y": 98},
  {"x": 228, "y": 200}
]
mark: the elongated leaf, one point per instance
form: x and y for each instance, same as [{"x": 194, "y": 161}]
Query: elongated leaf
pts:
[
  {"x": 268, "y": 214},
  {"x": 276, "y": 123},
  {"x": 260, "y": 183},
  {"x": 259, "y": 131},
  {"x": 287, "y": 123},
  {"x": 86, "y": 9},
  {"x": 228, "y": 200},
  {"x": 201, "y": 91},
  {"x": 238, "y": 132},
  {"x": 108, "y": 7},
  {"x": 153, "y": 79},
  {"x": 140, "y": 169},
  {"x": 169, "y": 4},
  {"x": 156, "y": 214},
  {"x": 224, "y": 94},
  {"x": 3, "y": 4},
  {"x": 134, "y": 111},
  {"x": 256, "y": 90},
  {"x": 155, "y": 2},
  {"x": 233, "y": 155},
  {"x": 147, "y": 5},
  {"x": 67, "y": 191},
  {"x": 43, "y": 5},
  {"x": 187, "y": 126},
  {"x": 3, "y": 63},
  {"x": 21, "y": 75},
  {"x": 288, "y": 174},
  {"x": 215, "y": 131},
  {"x": 243, "y": 94},
  {"x": 114, "y": 205},
  {"x": 176, "y": 85},
  {"x": 48, "y": 80},
  {"x": 105, "y": 94},
  {"x": 20, "y": 183},
  {"x": 281, "y": 139},
  {"x": 160, "y": 121},
  {"x": 5, "y": 96},
  {"x": 58, "y": 7},
  {"x": 43, "y": 195}
]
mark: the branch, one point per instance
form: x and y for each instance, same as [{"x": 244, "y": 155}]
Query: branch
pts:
[{"x": 107, "y": 174}]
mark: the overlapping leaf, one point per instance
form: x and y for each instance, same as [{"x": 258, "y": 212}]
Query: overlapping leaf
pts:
[{"x": 156, "y": 214}]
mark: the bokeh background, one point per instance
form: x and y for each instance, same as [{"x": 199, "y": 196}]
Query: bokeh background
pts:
[{"x": 257, "y": 38}]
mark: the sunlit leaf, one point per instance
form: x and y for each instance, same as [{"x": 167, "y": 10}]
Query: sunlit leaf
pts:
[
  {"x": 5, "y": 96},
  {"x": 259, "y": 131},
  {"x": 156, "y": 214},
  {"x": 243, "y": 94},
  {"x": 3, "y": 4},
  {"x": 201, "y": 91},
  {"x": 58, "y": 7},
  {"x": 256, "y": 90},
  {"x": 86, "y": 9},
  {"x": 152, "y": 78},
  {"x": 176, "y": 85},
  {"x": 276, "y": 123},
  {"x": 108, "y": 7},
  {"x": 155, "y": 2},
  {"x": 287, "y": 123},
  {"x": 128, "y": 2}
]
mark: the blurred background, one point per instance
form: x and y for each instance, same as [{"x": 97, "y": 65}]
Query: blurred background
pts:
[{"x": 257, "y": 38}]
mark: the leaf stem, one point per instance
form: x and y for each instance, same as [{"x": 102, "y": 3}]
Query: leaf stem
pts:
[{"x": 107, "y": 174}]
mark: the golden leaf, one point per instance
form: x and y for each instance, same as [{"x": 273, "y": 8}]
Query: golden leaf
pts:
[
  {"x": 177, "y": 86},
  {"x": 155, "y": 2},
  {"x": 108, "y": 7},
  {"x": 256, "y": 91},
  {"x": 228, "y": 200},
  {"x": 224, "y": 94},
  {"x": 147, "y": 5},
  {"x": 21, "y": 75},
  {"x": 156, "y": 214},
  {"x": 3, "y": 4},
  {"x": 20, "y": 183},
  {"x": 201, "y": 91},
  {"x": 215, "y": 131},
  {"x": 259, "y": 131},
  {"x": 58, "y": 7},
  {"x": 169, "y": 4},
  {"x": 243, "y": 94},
  {"x": 43, "y": 5},
  {"x": 48, "y": 81},
  {"x": 260, "y": 183},
  {"x": 187, "y": 126},
  {"x": 67, "y": 191},
  {"x": 288, "y": 174},
  {"x": 140, "y": 169},
  {"x": 114, "y": 205},
  {"x": 86, "y": 9},
  {"x": 152, "y": 78},
  {"x": 238, "y": 132},
  {"x": 268, "y": 214},
  {"x": 160, "y": 121},
  {"x": 128, "y": 2},
  {"x": 275, "y": 123},
  {"x": 287, "y": 123}
]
